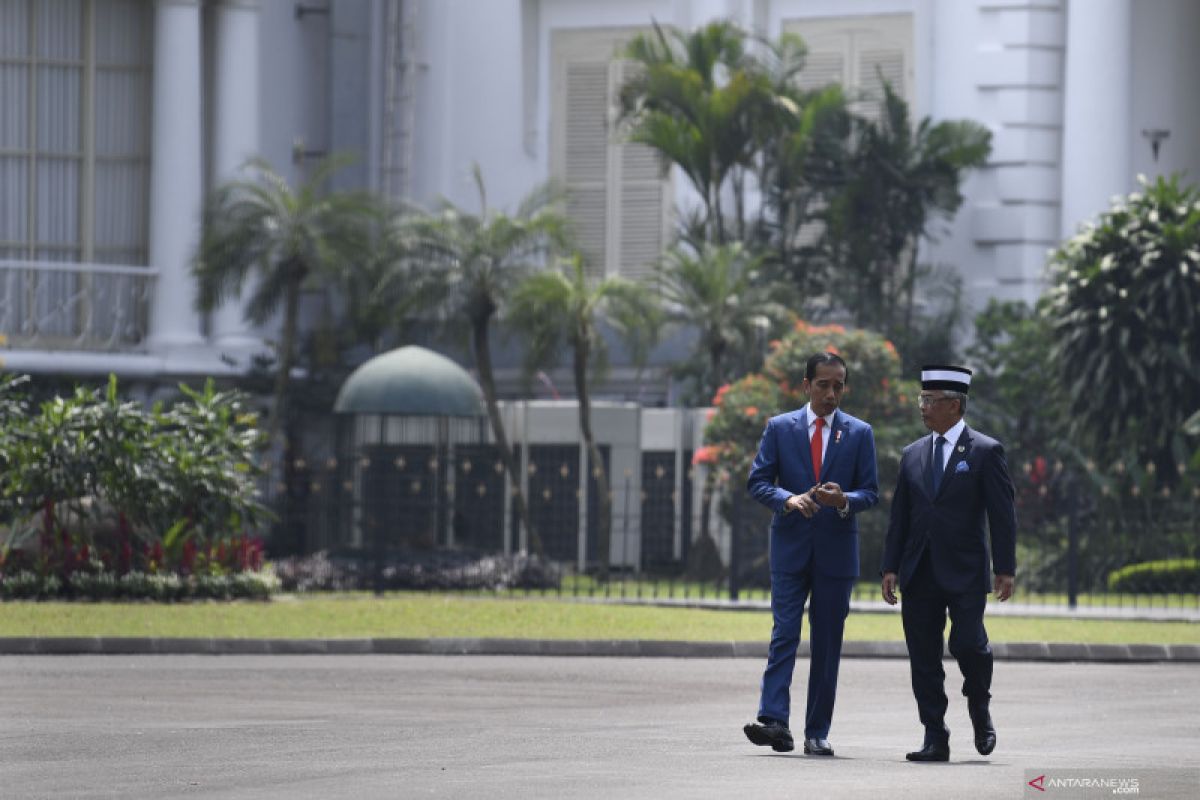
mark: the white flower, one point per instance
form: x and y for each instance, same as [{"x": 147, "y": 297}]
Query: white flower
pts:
[
  {"x": 1123, "y": 293},
  {"x": 1103, "y": 312}
]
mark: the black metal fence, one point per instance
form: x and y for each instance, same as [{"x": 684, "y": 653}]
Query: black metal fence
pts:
[{"x": 426, "y": 503}]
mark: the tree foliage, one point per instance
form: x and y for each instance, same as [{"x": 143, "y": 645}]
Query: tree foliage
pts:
[
  {"x": 718, "y": 291},
  {"x": 1124, "y": 316},
  {"x": 566, "y": 309},
  {"x": 899, "y": 180},
  {"x": 468, "y": 265},
  {"x": 279, "y": 240}
]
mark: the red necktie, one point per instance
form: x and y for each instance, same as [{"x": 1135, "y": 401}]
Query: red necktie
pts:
[{"x": 816, "y": 447}]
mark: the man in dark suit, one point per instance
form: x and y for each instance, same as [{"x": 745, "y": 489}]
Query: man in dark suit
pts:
[
  {"x": 937, "y": 552},
  {"x": 815, "y": 469}
]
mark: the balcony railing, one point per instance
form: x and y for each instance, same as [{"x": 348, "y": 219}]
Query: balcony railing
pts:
[{"x": 59, "y": 306}]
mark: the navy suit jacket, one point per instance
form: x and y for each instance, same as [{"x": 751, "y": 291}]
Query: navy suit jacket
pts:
[
  {"x": 783, "y": 467},
  {"x": 975, "y": 485}
]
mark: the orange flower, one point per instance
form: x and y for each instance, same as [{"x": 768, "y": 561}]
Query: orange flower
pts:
[
  {"x": 774, "y": 344},
  {"x": 719, "y": 397},
  {"x": 831, "y": 349},
  {"x": 706, "y": 455},
  {"x": 751, "y": 411},
  {"x": 708, "y": 415},
  {"x": 891, "y": 348}
]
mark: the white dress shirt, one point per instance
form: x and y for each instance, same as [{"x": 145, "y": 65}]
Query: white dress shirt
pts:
[
  {"x": 812, "y": 429},
  {"x": 951, "y": 440}
]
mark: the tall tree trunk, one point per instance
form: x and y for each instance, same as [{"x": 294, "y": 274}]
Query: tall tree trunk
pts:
[
  {"x": 703, "y": 556},
  {"x": 483, "y": 360},
  {"x": 716, "y": 355},
  {"x": 718, "y": 218},
  {"x": 279, "y": 410},
  {"x": 704, "y": 539},
  {"x": 910, "y": 288},
  {"x": 739, "y": 201},
  {"x": 287, "y": 347},
  {"x": 604, "y": 533}
]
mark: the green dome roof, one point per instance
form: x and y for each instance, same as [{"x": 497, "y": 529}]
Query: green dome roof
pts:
[{"x": 410, "y": 380}]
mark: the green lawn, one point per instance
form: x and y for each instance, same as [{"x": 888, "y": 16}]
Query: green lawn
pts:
[{"x": 431, "y": 615}]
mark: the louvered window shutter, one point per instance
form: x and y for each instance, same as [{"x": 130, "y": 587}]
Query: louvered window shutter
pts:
[
  {"x": 876, "y": 65},
  {"x": 617, "y": 194},
  {"x": 640, "y": 192},
  {"x": 855, "y": 52},
  {"x": 823, "y": 67},
  {"x": 585, "y": 163}
]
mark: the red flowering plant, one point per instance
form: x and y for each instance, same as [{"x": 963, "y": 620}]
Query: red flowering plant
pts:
[{"x": 877, "y": 393}]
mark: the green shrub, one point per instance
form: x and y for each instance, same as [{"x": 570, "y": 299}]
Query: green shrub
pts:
[
  {"x": 1172, "y": 576},
  {"x": 167, "y": 587},
  {"x": 93, "y": 484}
]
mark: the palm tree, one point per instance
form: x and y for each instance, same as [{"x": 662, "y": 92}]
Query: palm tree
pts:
[
  {"x": 715, "y": 290},
  {"x": 701, "y": 102},
  {"x": 802, "y": 161},
  {"x": 469, "y": 264},
  {"x": 900, "y": 179},
  {"x": 283, "y": 241},
  {"x": 565, "y": 308}
]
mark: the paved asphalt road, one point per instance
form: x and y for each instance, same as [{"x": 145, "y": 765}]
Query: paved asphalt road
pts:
[{"x": 375, "y": 726}]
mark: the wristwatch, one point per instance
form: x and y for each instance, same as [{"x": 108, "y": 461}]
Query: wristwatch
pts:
[{"x": 844, "y": 511}]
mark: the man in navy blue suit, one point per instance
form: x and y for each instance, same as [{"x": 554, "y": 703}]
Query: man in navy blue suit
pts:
[
  {"x": 816, "y": 470},
  {"x": 937, "y": 552}
]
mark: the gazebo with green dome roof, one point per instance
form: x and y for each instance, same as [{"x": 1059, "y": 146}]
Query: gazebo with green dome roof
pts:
[
  {"x": 410, "y": 381},
  {"x": 410, "y": 422}
]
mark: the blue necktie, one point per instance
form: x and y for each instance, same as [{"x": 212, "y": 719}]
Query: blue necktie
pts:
[{"x": 938, "y": 465}]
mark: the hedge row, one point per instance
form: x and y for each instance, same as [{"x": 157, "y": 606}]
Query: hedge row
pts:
[
  {"x": 1173, "y": 576},
  {"x": 166, "y": 587}
]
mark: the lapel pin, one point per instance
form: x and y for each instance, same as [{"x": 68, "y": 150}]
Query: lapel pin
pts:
[
  {"x": 837, "y": 437},
  {"x": 962, "y": 449}
]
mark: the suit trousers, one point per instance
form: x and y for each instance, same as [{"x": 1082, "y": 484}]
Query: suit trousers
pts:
[
  {"x": 923, "y": 608},
  {"x": 830, "y": 603}
]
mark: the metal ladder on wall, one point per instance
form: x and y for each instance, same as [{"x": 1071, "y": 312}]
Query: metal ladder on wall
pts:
[{"x": 400, "y": 81}]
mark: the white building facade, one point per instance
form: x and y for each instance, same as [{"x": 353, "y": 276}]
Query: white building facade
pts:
[{"x": 118, "y": 116}]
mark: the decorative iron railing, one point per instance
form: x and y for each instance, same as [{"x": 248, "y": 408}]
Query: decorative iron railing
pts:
[{"x": 53, "y": 305}]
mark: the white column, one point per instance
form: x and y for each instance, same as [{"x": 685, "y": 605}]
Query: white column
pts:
[
  {"x": 175, "y": 173},
  {"x": 1097, "y": 121},
  {"x": 235, "y": 135}
]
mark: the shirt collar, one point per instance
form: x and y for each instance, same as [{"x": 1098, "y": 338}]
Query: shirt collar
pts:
[
  {"x": 955, "y": 431},
  {"x": 812, "y": 418}
]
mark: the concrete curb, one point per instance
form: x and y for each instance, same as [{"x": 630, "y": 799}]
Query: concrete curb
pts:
[
  {"x": 627, "y": 648},
  {"x": 1009, "y": 609}
]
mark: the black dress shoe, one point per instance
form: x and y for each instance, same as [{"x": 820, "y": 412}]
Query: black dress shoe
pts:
[
  {"x": 773, "y": 734},
  {"x": 931, "y": 752},
  {"x": 985, "y": 731},
  {"x": 817, "y": 747}
]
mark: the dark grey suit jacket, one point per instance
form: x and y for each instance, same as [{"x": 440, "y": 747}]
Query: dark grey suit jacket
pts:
[{"x": 950, "y": 526}]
